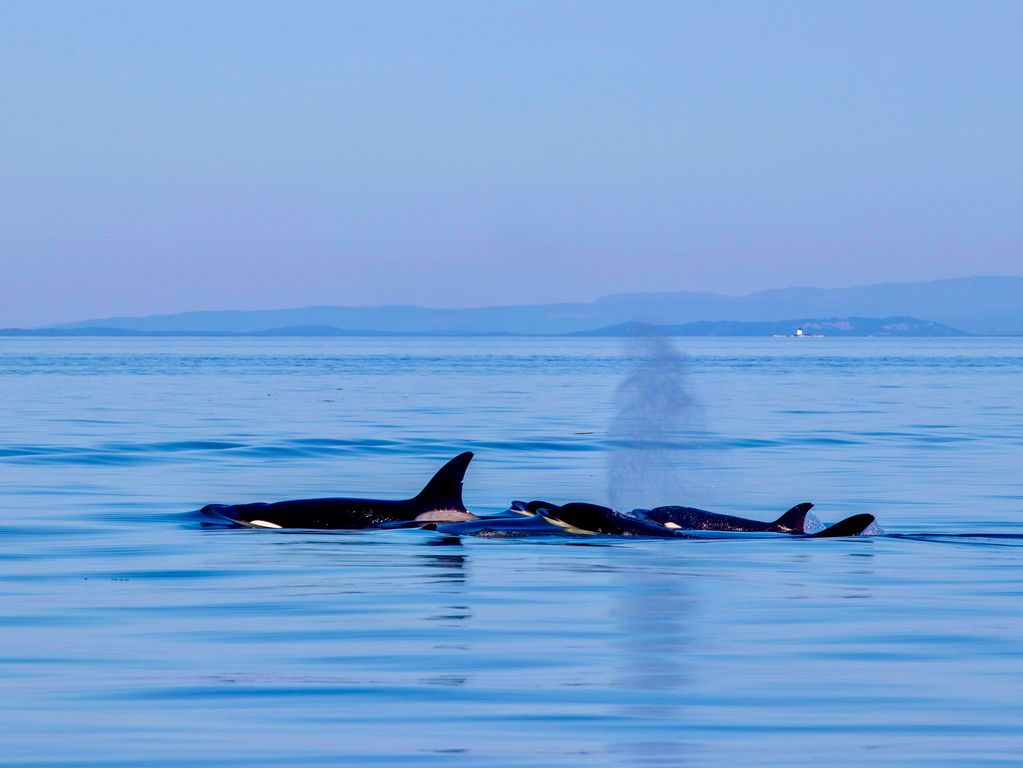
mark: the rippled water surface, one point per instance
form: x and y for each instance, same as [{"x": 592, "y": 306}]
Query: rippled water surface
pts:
[{"x": 129, "y": 635}]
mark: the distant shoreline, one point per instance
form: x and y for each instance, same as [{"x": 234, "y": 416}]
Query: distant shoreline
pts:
[{"x": 848, "y": 328}]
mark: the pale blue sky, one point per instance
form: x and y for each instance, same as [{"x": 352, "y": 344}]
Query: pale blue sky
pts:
[{"x": 178, "y": 156}]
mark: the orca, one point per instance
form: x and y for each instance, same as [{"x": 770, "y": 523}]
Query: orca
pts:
[
  {"x": 598, "y": 519},
  {"x": 693, "y": 519},
  {"x": 439, "y": 501},
  {"x": 792, "y": 522}
]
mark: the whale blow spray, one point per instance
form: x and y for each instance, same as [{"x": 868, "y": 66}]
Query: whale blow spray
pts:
[{"x": 656, "y": 428}]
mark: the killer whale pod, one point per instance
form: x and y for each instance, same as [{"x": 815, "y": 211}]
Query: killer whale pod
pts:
[
  {"x": 599, "y": 519},
  {"x": 439, "y": 506}
]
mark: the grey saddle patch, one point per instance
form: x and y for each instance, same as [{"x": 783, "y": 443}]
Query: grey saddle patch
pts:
[{"x": 445, "y": 516}]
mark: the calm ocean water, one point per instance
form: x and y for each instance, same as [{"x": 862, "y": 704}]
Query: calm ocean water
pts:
[{"x": 131, "y": 636}]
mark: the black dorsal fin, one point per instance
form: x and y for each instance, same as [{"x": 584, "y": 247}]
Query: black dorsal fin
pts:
[
  {"x": 794, "y": 521},
  {"x": 444, "y": 491},
  {"x": 851, "y": 526}
]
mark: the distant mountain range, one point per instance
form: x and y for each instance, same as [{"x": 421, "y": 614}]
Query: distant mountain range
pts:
[
  {"x": 973, "y": 305},
  {"x": 837, "y": 326},
  {"x": 847, "y": 326}
]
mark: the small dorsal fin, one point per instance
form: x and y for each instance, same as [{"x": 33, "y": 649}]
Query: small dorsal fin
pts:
[
  {"x": 444, "y": 491},
  {"x": 537, "y": 505},
  {"x": 794, "y": 521},
  {"x": 529, "y": 508},
  {"x": 851, "y": 526},
  {"x": 544, "y": 509}
]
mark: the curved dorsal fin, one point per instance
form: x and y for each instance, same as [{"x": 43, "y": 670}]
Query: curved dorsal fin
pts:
[
  {"x": 444, "y": 491},
  {"x": 794, "y": 521},
  {"x": 851, "y": 526}
]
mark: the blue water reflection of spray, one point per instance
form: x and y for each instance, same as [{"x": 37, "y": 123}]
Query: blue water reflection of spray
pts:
[{"x": 653, "y": 437}]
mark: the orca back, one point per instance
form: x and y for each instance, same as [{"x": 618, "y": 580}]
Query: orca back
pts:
[{"x": 693, "y": 519}]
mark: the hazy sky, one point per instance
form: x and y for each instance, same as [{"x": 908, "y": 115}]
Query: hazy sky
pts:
[{"x": 158, "y": 157}]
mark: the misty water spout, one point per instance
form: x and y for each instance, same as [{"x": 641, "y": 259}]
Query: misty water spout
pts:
[{"x": 654, "y": 433}]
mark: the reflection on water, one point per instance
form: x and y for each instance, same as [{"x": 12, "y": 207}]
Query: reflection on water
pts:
[
  {"x": 133, "y": 636},
  {"x": 655, "y": 618}
]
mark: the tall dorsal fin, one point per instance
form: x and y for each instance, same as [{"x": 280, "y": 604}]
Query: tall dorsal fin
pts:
[
  {"x": 444, "y": 491},
  {"x": 794, "y": 521}
]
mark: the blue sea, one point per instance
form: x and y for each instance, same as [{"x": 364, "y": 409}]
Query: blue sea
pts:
[{"x": 130, "y": 635}]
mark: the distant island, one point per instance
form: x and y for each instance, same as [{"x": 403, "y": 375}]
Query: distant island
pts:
[{"x": 989, "y": 305}]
